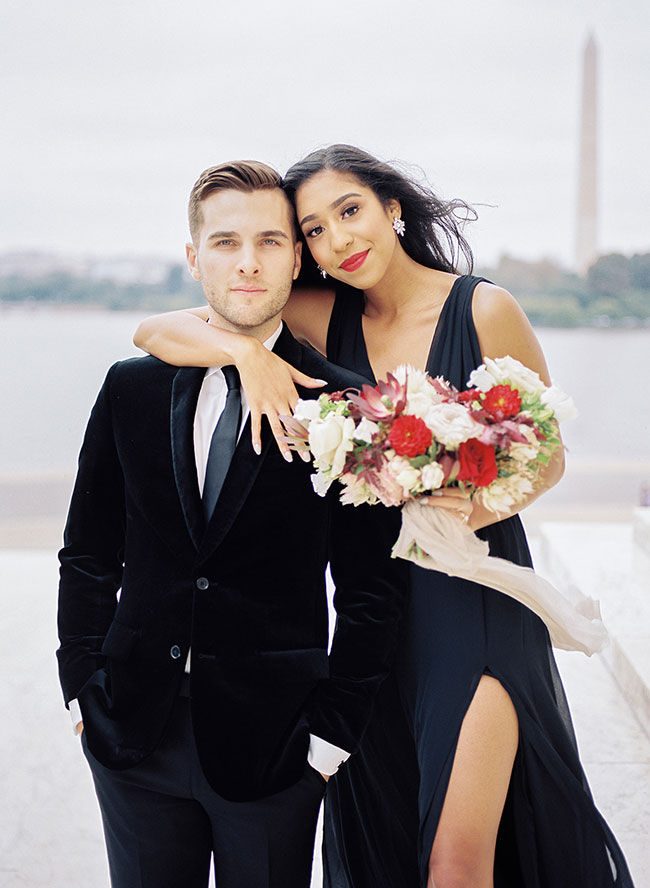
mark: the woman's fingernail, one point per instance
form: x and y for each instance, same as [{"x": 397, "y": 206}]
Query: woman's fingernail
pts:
[
  {"x": 304, "y": 456},
  {"x": 257, "y": 448},
  {"x": 288, "y": 457},
  {"x": 436, "y": 493}
]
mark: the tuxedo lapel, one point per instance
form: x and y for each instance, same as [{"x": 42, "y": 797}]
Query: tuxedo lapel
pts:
[
  {"x": 245, "y": 464},
  {"x": 185, "y": 394}
]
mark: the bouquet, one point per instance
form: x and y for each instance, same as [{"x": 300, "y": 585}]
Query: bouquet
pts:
[{"x": 412, "y": 435}]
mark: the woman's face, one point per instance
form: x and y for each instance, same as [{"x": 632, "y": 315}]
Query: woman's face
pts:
[{"x": 348, "y": 230}]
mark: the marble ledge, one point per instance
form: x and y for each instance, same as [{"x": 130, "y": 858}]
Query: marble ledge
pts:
[{"x": 607, "y": 562}]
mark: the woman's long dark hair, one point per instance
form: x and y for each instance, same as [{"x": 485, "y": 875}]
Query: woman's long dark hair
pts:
[{"x": 433, "y": 234}]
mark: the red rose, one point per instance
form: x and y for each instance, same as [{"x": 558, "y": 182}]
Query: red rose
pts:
[
  {"x": 501, "y": 402},
  {"x": 469, "y": 396},
  {"x": 409, "y": 436},
  {"x": 478, "y": 464}
]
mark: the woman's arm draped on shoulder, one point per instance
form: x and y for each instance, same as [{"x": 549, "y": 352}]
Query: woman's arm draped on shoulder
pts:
[{"x": 184, "y": 339}]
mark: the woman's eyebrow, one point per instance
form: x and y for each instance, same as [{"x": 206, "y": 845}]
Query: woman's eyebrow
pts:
[{"x": 333, "y": 206}]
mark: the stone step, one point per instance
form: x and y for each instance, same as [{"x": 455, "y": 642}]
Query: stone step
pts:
[{"x": 610, "y": 562}]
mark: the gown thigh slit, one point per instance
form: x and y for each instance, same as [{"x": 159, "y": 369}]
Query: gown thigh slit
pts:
[{"x": 383, "y": 807}]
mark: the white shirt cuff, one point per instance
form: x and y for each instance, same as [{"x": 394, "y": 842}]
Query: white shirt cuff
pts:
[
  {"x": 75, "y": 713},
  {"x": 324, "y": 756}
]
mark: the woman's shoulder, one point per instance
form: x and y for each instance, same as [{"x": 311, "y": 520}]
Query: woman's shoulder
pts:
[
  {"x": 503, "y": 328},
  {"x": 492, "y": 304}
]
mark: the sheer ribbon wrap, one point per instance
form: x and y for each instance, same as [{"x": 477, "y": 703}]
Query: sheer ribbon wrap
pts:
[{"x": 435, "y": 539}]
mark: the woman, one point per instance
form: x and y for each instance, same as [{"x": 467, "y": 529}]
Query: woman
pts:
[{"x": 469, "y": 772}]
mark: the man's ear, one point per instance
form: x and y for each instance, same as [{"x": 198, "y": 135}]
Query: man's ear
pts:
[
  {"x": 192, "y": 261},
  {"x": 297, "y": 259}
]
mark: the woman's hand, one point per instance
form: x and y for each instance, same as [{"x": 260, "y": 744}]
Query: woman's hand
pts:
[
  {"x": 452, "y": 499},
  {"x": 270, "y": 387}
]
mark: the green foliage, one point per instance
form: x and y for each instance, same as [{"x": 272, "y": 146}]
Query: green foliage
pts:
[
  {"x": 62, "y": 288},
  {"x": 615, "y": 291}
]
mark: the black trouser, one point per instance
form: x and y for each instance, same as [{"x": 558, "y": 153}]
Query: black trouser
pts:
[{"x": 162, "y": 821}]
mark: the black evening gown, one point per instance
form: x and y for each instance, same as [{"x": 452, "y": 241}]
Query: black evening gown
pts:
[{"x": 382, "y": 808}]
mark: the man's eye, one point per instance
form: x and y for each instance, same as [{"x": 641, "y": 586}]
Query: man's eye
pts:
[
  {"x": 349, "y": 211},
  {"x": 269, "y": 241},
  {"x": 224, "y": 243},
  {"x": 314, "y": 232}
]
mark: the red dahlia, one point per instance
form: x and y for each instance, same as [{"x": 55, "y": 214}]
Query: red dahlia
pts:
[
  {"x": 409, "y": 436},
  {"x": 501, "y": 402}
]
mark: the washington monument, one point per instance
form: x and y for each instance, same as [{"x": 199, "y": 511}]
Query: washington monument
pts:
[{"x": 587, "y": 227}]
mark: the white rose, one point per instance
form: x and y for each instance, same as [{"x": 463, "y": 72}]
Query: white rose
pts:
[
  {"x": 451, "y": 424},
  {"x": 509, "y": 369},
  {"x": 307, "y": 411},
  {"x": 560, "y": 403},
  {"x": 406, "y": 476},
  {"x": 365, "y": 430},
  {"x": 419, "y": 403},
  {"x": 330, "y": 439},
  {"x": 432, "y": 476}
]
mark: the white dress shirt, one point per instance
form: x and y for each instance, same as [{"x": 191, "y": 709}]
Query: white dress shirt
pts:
[{"x": 323, "y": 756}]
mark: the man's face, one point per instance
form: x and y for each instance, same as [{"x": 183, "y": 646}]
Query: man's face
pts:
[{"x": 246, "y": 258}]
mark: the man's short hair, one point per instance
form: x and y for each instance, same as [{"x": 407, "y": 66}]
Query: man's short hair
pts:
[{"x": 237, "y": 175}]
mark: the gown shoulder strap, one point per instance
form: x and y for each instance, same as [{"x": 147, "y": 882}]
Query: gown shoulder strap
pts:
[
  {"x": 345, "y": 334},
  {"x": 456, "y": 350}
]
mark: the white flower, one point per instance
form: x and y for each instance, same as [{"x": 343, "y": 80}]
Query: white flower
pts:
[
  {"x": 330, "y": 439},
  {"x": 419, "y": 403},
  {"x": 505, "y": 492},
  {"x": 451, "y": 424},
  {"x": 522, "y": 453},
  {"x": 406, "y": 476},
  {"x": 365, "y": 430},
  {"x": 306, "y": 411},
  {"x": 432, "y": 476},
  {"x": 560, "y": 403},
  {"x": 510, "y": 370},
  {"x": 482, "y": 379},
  {"x": 355, "y": 491},
  {"x": 321, "y": 483}
]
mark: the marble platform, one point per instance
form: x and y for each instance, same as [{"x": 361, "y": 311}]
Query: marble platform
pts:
[{"x": 50, "y": 831}]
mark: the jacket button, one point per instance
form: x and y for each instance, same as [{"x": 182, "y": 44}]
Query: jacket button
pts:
[
  {"x": 202, "y": 583},
  {"x": 175, "y": 652}
]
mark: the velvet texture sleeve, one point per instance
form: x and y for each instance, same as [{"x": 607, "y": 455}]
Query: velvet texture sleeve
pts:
[
  {"x": 92, "y": 557},
  {"x": 369, "y": 600}
]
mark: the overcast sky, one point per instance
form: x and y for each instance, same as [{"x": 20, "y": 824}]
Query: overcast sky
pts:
[{"x": 110, "y": 111}]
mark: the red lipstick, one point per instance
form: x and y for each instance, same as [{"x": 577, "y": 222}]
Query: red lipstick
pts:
[{"x": 353, "y": 262}]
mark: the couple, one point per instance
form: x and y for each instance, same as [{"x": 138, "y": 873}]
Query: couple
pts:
[{"x": 467, "y": 773}]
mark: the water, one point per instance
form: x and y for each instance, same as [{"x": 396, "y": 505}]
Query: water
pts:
[{"x": 53, "y": 361}]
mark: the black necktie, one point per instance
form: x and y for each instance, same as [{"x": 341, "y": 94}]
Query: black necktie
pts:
[{"x": 223, "y": 443}]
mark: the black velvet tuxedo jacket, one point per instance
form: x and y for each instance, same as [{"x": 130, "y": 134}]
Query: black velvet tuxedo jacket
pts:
[{"x": 247, "y": 591}]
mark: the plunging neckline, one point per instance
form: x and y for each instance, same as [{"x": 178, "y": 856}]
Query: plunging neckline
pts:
[{"x": 370, "y": 373}]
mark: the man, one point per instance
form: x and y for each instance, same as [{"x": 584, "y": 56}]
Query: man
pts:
[{"x": 208, "y": 700}]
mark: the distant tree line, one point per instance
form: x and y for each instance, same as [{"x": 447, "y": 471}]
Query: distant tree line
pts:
[
  {"x": 176, "y": 290},
  {"x": 615, "y": 291}
]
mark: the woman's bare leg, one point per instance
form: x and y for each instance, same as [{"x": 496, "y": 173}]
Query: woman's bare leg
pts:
[{"x": 463, "y": 850}]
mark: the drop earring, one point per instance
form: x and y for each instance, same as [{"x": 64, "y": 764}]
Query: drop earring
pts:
[
  {"x": 322, "y": 271},
  {"x": 399, "y": 225}
]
